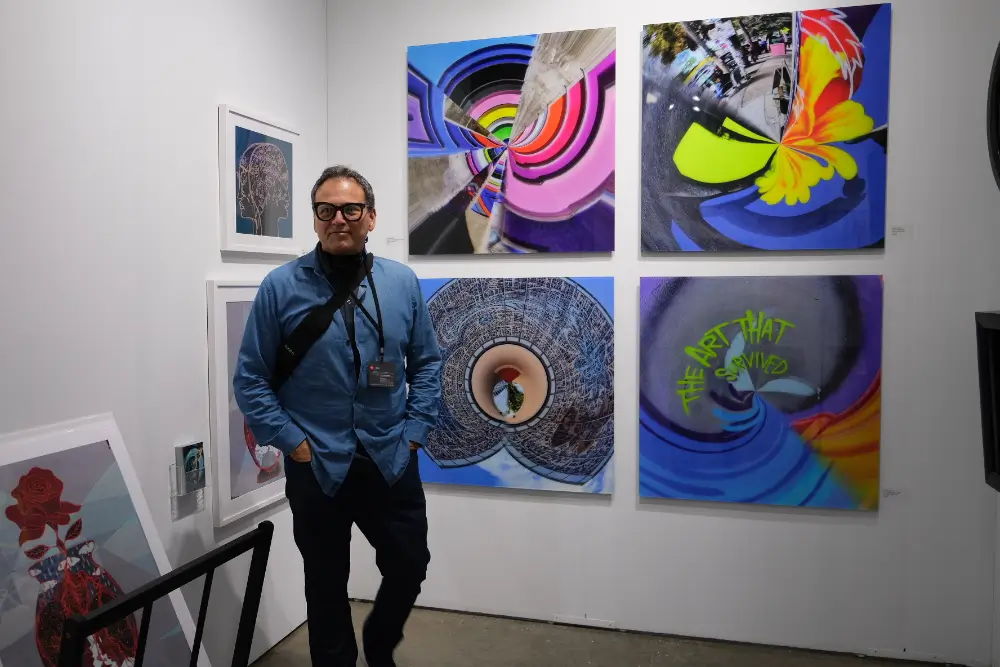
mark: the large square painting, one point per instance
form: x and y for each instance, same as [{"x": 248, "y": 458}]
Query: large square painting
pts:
[
  {"x": 527, "y": 383},
  {"x": 511, "y": 144},
  {"x": 247, "y": 474},
  {"x": 761, "y": 390},
  {"x": 75, "y": 534},
  {"x": 257, "y": 169},
  {"x": 766, "y": 132}
]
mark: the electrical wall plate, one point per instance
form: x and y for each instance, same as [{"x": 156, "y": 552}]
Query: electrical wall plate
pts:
[{"x": 993, "y": 118}]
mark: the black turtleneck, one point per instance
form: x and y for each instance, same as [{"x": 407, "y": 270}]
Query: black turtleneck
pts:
[
  {"x": 340, "y": 270},
  {"x": 344, "y": 273}
]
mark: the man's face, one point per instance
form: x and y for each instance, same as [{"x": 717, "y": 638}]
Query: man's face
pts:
[{"x": 341, "y": 236}]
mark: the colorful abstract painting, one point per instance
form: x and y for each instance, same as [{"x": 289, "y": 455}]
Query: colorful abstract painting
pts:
[
  {"x": 766, "y": 132},
  {"x": 74, "y": 537},
  {"x": 761, "y": 390},
  {"x": 527, "y": 383},
  {"x": 511, "y": 144}
]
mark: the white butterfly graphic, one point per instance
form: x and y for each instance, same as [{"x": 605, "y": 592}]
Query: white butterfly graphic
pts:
[{"x": 744, "y": 383}]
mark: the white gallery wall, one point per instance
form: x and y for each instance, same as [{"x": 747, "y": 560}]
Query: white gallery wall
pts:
[
  {"x": 109, "y": 229},
  {"x": 915, "y": 579}
]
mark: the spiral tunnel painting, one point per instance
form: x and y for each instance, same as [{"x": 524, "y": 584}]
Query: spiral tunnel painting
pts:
[
  {"x": 511, "y": 144},
  {"x": 527, "y": 395},
  {"x": 761, "y": 390},
  {"x": 766, "y": 132}
]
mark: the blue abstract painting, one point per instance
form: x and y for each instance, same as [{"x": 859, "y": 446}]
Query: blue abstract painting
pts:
[
  {"x": 527, "y": 383},
  {"x": 263, "y": 167},
  {"x": 763, "y": 390}
]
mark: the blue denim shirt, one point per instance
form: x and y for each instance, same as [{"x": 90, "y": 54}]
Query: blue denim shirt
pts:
[{"x": 323, "y": 400}]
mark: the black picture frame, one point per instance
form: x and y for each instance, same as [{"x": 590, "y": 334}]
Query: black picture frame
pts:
[
  {"x": 993, "y": 118},
  {"x": 988, "y": 356}
]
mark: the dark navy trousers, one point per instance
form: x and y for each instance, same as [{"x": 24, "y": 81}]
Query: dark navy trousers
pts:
[{"x": 394, "y": 521}]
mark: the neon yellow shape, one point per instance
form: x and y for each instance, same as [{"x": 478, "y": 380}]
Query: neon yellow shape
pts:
[
  {"x": 708, "y": 158},
  {"x": 496, "y": 113},
  {"x": 733, "y": 126}
]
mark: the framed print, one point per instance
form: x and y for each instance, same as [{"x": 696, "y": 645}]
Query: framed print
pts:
[
  {"x": 256, "y": 177},
  {"x": 75, "y": 534},
  {"x": 247, "y": 475}
]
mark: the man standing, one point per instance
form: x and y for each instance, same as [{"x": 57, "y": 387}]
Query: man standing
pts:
[{"x": 343, "y": 417}]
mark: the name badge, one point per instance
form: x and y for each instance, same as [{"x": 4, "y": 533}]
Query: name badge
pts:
[{"x": 382, "y": 374}]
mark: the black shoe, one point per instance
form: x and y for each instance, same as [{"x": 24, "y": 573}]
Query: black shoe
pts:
[{"x": 375, "y": 656}]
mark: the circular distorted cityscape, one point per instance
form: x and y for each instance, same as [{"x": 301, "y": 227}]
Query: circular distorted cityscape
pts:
[{"x": 528, "y": 366}]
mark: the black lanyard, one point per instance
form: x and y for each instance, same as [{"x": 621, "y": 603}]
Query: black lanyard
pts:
[{"x": 378, "y": 311}]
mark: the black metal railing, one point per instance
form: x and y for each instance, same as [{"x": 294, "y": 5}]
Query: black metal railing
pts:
[{"x": 78, "y": 628}]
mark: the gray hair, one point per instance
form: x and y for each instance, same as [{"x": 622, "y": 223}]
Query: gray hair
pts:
[{"x": 343, "y": 171}]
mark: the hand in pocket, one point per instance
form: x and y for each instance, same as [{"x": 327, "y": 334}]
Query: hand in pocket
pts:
[{"x": 302, "y": 453}]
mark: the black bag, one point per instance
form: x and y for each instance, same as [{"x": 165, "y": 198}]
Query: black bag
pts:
[{"x": 316, "y": 322}]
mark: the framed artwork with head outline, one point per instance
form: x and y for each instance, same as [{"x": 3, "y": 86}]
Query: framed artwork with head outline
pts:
[
  {"x": 256, "y": 178},
  {"x": 248, "y": 476}
]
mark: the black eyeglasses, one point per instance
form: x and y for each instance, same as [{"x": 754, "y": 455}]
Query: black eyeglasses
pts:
[{"x": 327, "y": 212}]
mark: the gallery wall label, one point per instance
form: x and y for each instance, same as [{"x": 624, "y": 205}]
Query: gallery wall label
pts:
[
  {"x": 511, "y": 144},
  {"x": 761, "y": 390},
  {"x": 527, "y": 383},
  {"x": 766, "y": 132}
]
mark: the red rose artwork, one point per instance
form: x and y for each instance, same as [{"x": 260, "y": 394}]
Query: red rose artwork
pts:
[
  {"x": 39, "y": 504},
  {"x": 71, "y": 580}
]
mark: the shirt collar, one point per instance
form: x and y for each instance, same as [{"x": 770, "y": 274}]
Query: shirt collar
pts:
[{"x": 311, "y": 260}]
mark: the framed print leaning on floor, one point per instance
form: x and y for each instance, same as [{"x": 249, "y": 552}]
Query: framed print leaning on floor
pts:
[
  {"x": 75, "y": 534},
  {"x": 247, "y": 476},
  {"x": 256, "y": 175}
]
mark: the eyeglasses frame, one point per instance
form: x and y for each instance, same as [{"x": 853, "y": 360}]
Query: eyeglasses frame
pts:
[{"x": 338, "y": 208}]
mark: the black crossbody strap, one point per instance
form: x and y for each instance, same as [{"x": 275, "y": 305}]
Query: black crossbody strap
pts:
[{"x": 316, "y": 322}]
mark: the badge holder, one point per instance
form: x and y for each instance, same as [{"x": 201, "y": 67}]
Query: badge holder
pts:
[{"x": 188, "y": 480}]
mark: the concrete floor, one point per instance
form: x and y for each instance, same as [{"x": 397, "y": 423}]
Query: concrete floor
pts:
[{"x": 445, "y": 639}]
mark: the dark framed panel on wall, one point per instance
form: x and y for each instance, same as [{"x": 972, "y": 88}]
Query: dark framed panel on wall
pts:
[
  {"x": 988, "y": 355},
  {"x": 993, "y": 118}
]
